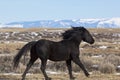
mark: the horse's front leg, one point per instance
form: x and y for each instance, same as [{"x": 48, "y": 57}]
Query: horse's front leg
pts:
[
  {"x": 79, "y": 63},
  {"x": 69, "y": 66},
  {"x": 43, "y": 67}
]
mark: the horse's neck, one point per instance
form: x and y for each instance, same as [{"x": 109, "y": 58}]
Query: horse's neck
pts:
[{"x": 75, "y": 41}]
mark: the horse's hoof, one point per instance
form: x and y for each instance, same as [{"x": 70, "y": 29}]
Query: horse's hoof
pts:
[
  {"x": 87, "y": 74},
  {"x": 22, "y": 79},
  {"x": 72, "y": 78}
]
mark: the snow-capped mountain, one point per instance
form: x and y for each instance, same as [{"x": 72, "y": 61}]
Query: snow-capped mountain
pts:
[
  {"x": 110, "y": 23},
  {"x": 88, "y": 23}
]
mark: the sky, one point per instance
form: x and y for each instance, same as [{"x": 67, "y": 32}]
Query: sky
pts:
[{"x": 33, "y": 10}]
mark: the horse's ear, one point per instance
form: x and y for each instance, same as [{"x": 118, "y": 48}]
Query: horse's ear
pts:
[{"x": 73, "y": 27}]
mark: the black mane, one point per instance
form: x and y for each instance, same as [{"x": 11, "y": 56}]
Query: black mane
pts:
[{"x": 67, "y": 34}]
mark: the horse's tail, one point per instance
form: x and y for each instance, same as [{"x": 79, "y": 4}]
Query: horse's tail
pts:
[{"x": 22, "y": 51}]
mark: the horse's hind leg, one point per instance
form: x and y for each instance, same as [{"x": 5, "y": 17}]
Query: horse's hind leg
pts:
[
  {"x": 32, "y": 60},
  {"x": 43, "y": 67},
  {"x": 69, "y": 66}
]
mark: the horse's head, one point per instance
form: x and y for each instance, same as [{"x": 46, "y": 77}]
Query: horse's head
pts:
[
  {"x": 80, "y": 33},
  {"x": 85, "y": 34}
]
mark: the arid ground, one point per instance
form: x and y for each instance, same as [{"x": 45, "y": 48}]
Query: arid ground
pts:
[{"x": 102, "y": 59}]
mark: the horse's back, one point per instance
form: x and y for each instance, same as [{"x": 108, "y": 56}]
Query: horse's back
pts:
[{"x": 55, "y": 51}]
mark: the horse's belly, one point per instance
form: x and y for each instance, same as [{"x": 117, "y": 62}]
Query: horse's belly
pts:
[{"x": 59, "y": 57}]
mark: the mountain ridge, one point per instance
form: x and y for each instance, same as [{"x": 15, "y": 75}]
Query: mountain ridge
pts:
[{"x": 88, "y": 23}]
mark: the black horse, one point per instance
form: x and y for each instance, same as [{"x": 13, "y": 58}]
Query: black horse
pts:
[{"x": 64, "y": 50}]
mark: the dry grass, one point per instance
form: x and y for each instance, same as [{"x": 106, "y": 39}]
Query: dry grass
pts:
[
  {"x": 29, "y": 29},
  {"x": 107, "y": 68},
  {"x": 95, "y": 30},
  {"x": 95, "y": 48},
  {"x": 107, "y": 30},
  {"x": 10, "y": 47},
  {"x": 63, "y": 76}
]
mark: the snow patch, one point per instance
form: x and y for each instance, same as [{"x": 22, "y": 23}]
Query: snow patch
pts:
[
  {"x": 103, "y": 47},
  {"x": 53, "y": 72},
  {"x": 97, "y": 56}
]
